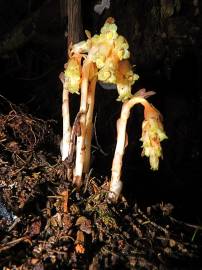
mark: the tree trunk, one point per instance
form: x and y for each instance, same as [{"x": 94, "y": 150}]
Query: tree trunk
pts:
[{"x": 75, "y": 27}]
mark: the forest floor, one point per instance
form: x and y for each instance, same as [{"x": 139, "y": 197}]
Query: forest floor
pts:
[{"x": 46, "y": 223}]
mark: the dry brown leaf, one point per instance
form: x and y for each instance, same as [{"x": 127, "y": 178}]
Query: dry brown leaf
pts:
[
  {"x": 80, "y": 249},
  {"x": 79, "y": 242},
  {"x": 79, "y": 237},
  {"x": 85, "y": 224}
]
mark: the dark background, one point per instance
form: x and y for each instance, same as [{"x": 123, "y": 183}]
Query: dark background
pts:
[{"x": 165, "y": 39}]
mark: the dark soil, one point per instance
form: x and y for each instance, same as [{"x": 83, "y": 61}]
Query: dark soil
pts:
[{"x": 46, "y": 223}]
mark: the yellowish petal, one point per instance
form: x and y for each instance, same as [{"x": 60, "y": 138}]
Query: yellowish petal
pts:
[
  {"x": 152, "y": 135},
  {"x": 72, "y": 75}
]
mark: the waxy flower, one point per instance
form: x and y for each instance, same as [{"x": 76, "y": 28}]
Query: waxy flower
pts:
[
  {"x": 114, "y": 68},
  {"x": 125, "y": 79},
  {"x": 109, "y": 30},
  {"x": 121, "y": 48},
  {"x": 109, "y": 52},
  {"x": 79, "y": 48},
  {"x": 152, "y": 134},
  {"x": 72, "y": 75},
  {"x": 107, "y": 74}
]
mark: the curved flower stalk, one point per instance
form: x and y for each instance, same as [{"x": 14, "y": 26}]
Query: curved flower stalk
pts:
[{"x": 152, "y": 135}]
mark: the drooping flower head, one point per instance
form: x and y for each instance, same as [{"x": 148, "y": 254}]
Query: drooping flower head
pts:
[
  {"x": 152, "y": 135},
  {"x": 125, "y": 78},
  {"x": 72, "y": 74}
]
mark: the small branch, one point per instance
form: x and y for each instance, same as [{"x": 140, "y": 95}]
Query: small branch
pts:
[
  {"x": 76, "y": 131},
  {"x": 153, "y": 223},
  {"x": 196, "y": 227},
  {"x": 96, "y": 139},
  {"x": 14, "y": 242}
]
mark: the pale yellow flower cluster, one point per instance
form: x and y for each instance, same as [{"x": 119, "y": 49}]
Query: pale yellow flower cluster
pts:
[
  {"x": 152, "y": 135},
  {"x": 108, "y": 51},
  {"x": 72, "y": 75}
]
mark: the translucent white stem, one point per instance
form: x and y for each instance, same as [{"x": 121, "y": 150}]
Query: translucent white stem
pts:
[
  {"x": 80, "y": 147},
  {"x": 116, "y": 184},
  {"x": 66, "y": 125}
]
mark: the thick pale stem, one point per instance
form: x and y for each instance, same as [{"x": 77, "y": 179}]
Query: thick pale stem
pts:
[
  {"x": 80, "y": 146},
  {"x": 89, "y": 124},
  {"x": 66, "y": 124},
  {"x": 116, "y": 184}
]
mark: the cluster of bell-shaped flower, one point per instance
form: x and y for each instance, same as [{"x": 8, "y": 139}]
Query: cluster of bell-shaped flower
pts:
[
  {"x": 109, "y": 51},
  {"x": 152, "y": 135}
]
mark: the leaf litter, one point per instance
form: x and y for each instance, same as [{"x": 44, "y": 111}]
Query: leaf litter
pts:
[{"x": 46, "y": 223}]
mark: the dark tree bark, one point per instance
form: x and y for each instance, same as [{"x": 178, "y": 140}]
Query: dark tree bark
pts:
[{"x": 75, "y": 27}]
